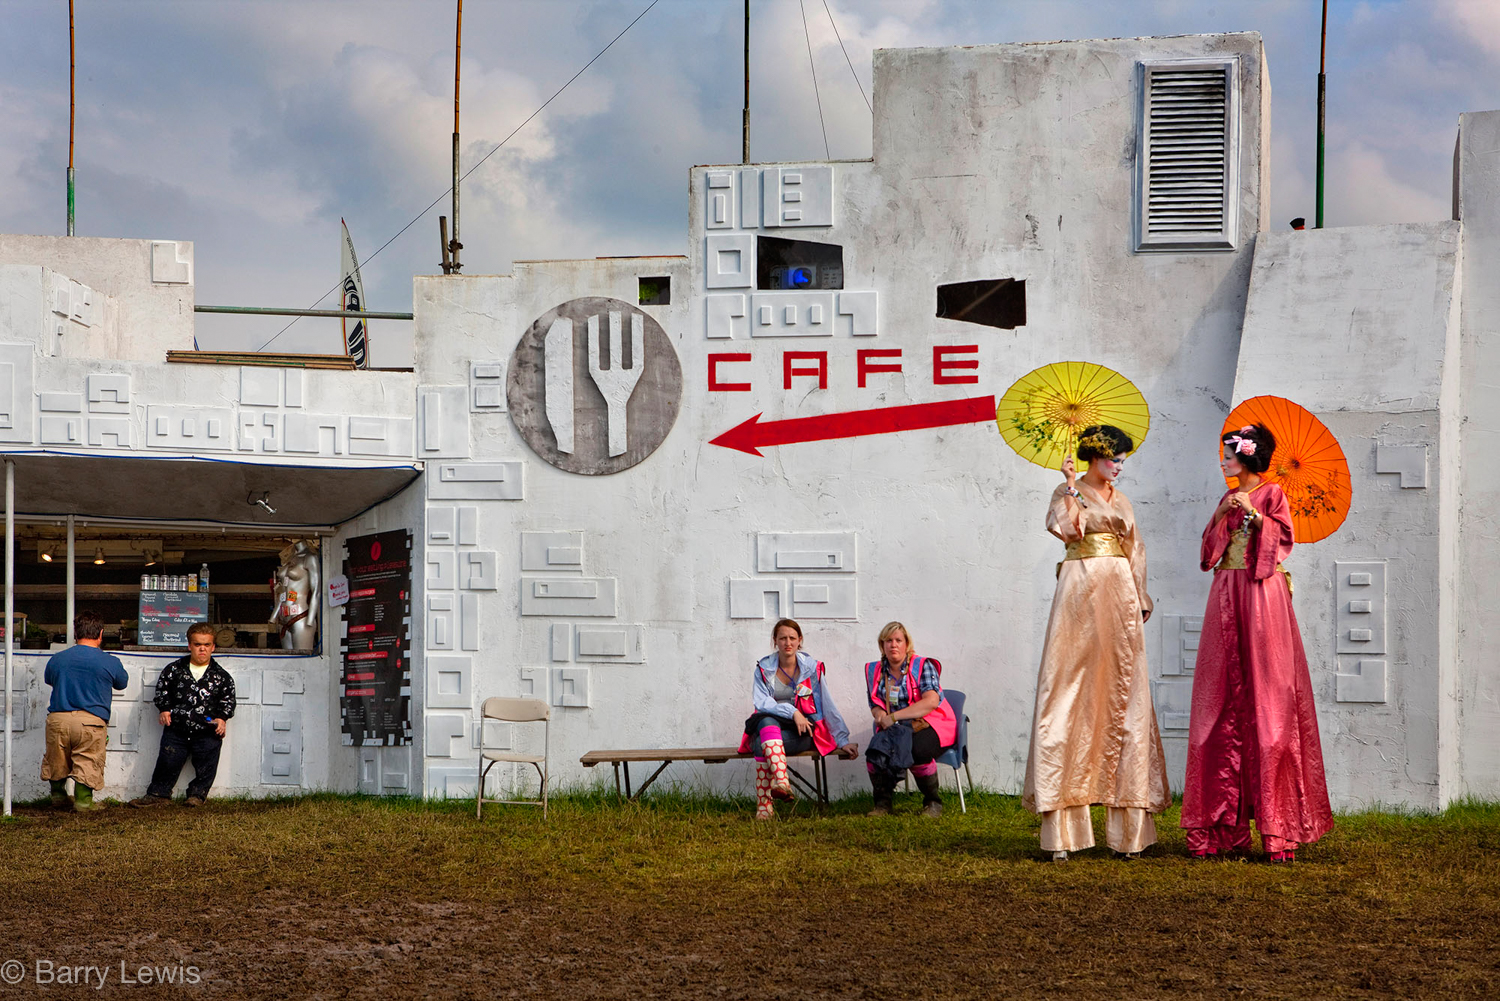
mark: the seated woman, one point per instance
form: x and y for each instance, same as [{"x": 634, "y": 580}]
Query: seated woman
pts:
[
  {"x": 793, "y": 713},
  {"x": 905, "y": 696}
]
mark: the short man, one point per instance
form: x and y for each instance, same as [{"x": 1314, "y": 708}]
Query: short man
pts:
[
  {"x": 81, "y": 677},
  {"x": 196, "y": 698}
]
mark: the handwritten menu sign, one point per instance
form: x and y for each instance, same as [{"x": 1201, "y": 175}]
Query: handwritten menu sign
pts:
[
  {"x": 376, "y": 699},
  {"x": 166, "y": 615}
]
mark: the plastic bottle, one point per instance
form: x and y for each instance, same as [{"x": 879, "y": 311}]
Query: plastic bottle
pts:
[{"x": 203, "y": 578}]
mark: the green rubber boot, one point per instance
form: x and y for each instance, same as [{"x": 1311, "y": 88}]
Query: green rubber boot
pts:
[
  {"x": 60, "y": 794},
  {"x": 83, "y": 798}
]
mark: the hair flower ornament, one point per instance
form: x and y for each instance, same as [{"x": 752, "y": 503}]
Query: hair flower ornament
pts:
[{"x": 1242, "y": 446}]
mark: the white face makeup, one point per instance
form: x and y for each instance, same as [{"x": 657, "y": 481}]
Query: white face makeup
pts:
[
  {"x": 1109, "y": 468},
  {"x": 1230, "y": 463}
]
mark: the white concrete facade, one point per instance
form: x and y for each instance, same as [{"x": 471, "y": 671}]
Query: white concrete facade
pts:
[{"x": 635, "y": 592}]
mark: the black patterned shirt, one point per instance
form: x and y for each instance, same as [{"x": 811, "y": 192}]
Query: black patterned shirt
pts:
[{"x": 194, "y": 705}]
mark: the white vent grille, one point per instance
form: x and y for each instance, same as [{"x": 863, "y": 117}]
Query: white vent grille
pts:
[{"x": 1188, "y": 152}]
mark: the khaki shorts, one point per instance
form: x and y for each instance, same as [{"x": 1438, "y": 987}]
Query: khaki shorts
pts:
[{"x": 75, "y": 748}]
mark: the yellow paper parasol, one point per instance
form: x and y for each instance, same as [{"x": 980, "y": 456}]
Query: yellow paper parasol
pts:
[
  {"x": 1042, "y": 414},
  {"x": 1308, "y": 463}
]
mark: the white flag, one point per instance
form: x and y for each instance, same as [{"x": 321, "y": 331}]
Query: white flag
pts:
[{"x": 356, "y": 339}]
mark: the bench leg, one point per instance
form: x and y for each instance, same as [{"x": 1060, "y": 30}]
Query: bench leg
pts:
[
  {"x": 639, "y": 792},
  {"x": 618, "y": 794},
  {"x": 626, "y": 766}
]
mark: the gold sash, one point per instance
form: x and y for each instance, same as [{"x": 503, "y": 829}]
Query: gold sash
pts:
[
  {"x": 1095, "y": 544},
  {"x": 1235, "y": 557}
]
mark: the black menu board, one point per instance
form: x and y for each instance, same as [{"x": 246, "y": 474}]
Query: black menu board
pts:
[
  {"x": 166, "y": 615},
  {"x": 376, "y": 702}
]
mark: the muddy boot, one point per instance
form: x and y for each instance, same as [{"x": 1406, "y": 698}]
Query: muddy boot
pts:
[
  {"x": 932, "y": 795},
  {"x": 885, "y": 790},
  {"x": 83, "y": 798},
  {"x": 60, "y": 799}
]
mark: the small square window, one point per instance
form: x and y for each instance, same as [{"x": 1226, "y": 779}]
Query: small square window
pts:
[{"x": 655, "y": 291}]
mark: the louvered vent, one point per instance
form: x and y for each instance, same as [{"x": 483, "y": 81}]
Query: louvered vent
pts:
[{"x": 1188, "y": 157}]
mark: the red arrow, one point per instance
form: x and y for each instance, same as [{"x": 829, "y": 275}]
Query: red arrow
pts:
[{"x": 752, "y": 435}]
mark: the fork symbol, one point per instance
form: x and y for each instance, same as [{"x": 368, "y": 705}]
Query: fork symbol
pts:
[{"x": 617, "y": 383}]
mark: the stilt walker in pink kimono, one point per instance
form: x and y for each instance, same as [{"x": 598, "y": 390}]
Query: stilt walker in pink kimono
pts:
[{"x": 1253, "y": 747}]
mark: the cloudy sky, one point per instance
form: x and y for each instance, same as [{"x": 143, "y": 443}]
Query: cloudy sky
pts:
[{"x": 252, "y": 127}]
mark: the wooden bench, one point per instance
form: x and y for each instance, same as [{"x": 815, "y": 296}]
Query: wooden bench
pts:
[{"x": 817, "y": 788}]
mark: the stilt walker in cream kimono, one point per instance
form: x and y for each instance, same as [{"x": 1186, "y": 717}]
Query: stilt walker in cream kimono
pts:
[
  {"x": 1094, "y": 737},
  {"x": 298, "y": 580}
]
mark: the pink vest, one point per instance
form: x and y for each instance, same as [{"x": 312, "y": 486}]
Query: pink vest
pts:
[
  {"x": 807, "y": 706},
  {"x": 942, "y": 719}
]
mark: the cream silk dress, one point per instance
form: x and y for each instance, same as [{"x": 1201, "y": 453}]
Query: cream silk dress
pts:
[{"x": 1094, "y": 737}]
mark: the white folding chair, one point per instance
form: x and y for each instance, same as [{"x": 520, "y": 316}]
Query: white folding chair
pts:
[{"x": 513, "y": 711}]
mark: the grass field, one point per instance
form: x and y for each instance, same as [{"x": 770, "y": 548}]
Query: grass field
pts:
[{"x": 681, "y": 897}]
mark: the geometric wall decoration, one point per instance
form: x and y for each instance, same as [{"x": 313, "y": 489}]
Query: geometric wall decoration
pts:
[
  {"x": 1179, "y": 643},
  {"x": 380, "y": 436},
  {"x": 110, "y": 432},
  {"x": 281, "y": 747},
  {"x": 802, "y": 551},
  {"x": 475, "y": 481},
  {"x": 797, "y": 196},
  {"x": 448, "y": 683},
  {"x": 260, "y": 387},
  {"x": 17, "y": 377},
  {"x": 720, "y": 198},
  {"x": 109, "y": 393},
  {"x": 443, "y": 730},
  {"x": 863, "y": 312},
  {"x": 829, "y": 598},
  {"x": 487, "y": 386},
  {"x": 443, "y": 422},
  {"x": 730, "y": 261},
  {"x": 187, "y": 428},
  {"x": 570, "y": 686},
  {"x": 747, "y": 598},
  {"x": 791, "y": 314},
  {"x": 1410, "y": 461},
  {"x": 724, "y": 315},
  {"x": 171, "y": 263},
  {"x": 1366, "y": 684},
  {"x": 605, "y": 644},
  {"x": 1359, "y": 612},
  {"x": 568, "y": 596},
  {"x": 313, "y": 433},
  {"x": 552, "y": 552}
]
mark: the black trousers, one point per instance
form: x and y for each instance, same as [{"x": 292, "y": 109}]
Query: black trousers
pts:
[
  {"x": 795, "y": 742},
  {"x": 176, "y": 748}
]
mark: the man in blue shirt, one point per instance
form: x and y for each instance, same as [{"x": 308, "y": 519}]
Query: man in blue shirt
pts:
[{"x": 82, "y": 678}]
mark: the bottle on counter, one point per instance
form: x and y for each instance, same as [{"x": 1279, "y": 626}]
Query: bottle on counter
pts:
[
  {"x": 145, "y": 582},
  {"x": 192, "y": 582},
  {"x": 203, "y": 578}
]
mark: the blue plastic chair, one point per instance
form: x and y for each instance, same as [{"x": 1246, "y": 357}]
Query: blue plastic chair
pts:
[{"x": 958, "y": 754}]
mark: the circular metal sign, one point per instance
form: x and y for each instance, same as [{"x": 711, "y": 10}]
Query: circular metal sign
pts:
[{"x": 594, "y": 385}]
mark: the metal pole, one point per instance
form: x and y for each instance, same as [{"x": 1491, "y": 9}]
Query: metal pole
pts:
[
  {"x": 1322, "y": 115},
  {"x": 458, "y": 42},
  {"x": 10, "y": 613},
  {"x": 72, "y": 75},
  {"x": 71, "y": 571},
  {"x": 745, "y": 121},
  {"x": 277, "y": 311}
]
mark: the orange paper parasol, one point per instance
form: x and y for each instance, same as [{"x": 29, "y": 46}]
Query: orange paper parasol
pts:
[{"x": 1308, "y": 463}]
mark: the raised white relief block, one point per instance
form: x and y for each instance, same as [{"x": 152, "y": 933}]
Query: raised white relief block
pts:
[
  {"x": 478, "y": 571},
  {"x": 124, "y": 732},
  {"x": 171, "y": 263},
  {"x": 380, "y": 436},
  {"x": 568, "y": 596},
  {"x": 189, "y": 429},
  {"x": 475, "y": 481},
  {"x": 535, "y": 683},
  {"x": 62, "y": 430},
  {"x": 109, "y": 393},
  {"x": 1174, "y": 706},
  {"x": 455, "y": 781},
  {"x": 442, "y": 570},
  {"x": 58, "y": 403},
  {"x": 468, "y": 622},
  {"x": 449, "y": 683},
  {"x": 825, "y": 599},
  {"x": 729, "y": 261},
  {"x": 552, "y": 552},
  {"x": 797, "y": 196},
  {"x": 791, "y": 314},
  {"x": 863, "y": 310},
  {"x": 1367, "y": 684},
  {"x": 442, "y": 730},
  {"x": 1359, "y": 610},
  {"x": 259, "y": 431},
  {"x": 781, "y": 551},
  {"x": 749, "y": 196},
  {"x": 618, "y": 644},
  {"x": 442, "y": 622},
  {"x": 260, "y": 387},
  {"x": 109, "y": 432},
  {"x": 747, "y": 598},
  {"x": 17, "y": 377},
  {"x": 277, "y": 685},
  {"x": 313, "y": 434},
  {"x": 719, "y": 201},
  {"x": 724, "y": 316},
  {"x": 443, "y": 422},
  {"x": 295, "y": 380},
  {"x": 468, "y": 526},
  {"x": 487, "y": 386},
  {"x": 1179, "y": 643},
  {"x": 561, "y": 642},
  {"x": 570, "y": 687},
  {"x": 1410, "y": 461},
  {"x": 441, "y": 525}
]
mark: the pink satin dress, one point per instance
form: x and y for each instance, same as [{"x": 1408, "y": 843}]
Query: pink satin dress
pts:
[
  {"x": 1094, "y": 737},
  {"x": 1253, "y": 747}
]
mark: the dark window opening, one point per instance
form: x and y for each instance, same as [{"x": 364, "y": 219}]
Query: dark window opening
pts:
[
  {"x": 994, "y": 302},
  {"x": 656, "y": 291},
  {"x": 797, "y": 264}
]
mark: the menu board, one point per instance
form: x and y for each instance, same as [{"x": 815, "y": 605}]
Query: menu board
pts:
[
  {"x": 166, "y": 615},
  {"x": 376, "y": 702}
]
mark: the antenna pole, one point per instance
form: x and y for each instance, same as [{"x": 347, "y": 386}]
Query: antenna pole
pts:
[
  {"x": 72, "y": 83},
  {"x": 745, "y": 121},
  {"x": 1322, "y": 114},
  {"x": 458, "y": 42}
]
